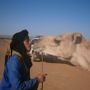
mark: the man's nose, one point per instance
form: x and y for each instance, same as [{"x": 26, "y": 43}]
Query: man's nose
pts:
[{"x": 29, "y": 41}]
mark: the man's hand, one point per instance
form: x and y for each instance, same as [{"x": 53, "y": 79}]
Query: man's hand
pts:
[{"x": 41, "y": 77}]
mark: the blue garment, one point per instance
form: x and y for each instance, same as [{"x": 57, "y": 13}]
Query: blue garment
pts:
[{"x": 15, "y": 77}]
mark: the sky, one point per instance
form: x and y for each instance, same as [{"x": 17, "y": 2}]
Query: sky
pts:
[{"x": 45, "y": 17}]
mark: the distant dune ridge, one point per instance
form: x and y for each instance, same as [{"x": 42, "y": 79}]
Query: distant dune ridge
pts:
[
  {"x": 5, "y": 36},
  {"x": 71, "y": 48}
]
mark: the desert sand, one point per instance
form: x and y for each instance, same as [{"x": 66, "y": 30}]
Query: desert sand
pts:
[{"x": 60, "y": 76}]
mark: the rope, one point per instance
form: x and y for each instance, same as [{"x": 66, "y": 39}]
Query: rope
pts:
[{"x": 42, "y": 69}]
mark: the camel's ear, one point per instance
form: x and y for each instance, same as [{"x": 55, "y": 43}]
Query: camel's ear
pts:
[{"x": 76, "y": 38}]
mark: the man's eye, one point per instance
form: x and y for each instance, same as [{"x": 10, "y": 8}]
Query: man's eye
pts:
[{"x": 26, "y": 40}]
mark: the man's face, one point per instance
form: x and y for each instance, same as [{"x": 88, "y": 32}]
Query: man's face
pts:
[{"x": 27, "y": 44}]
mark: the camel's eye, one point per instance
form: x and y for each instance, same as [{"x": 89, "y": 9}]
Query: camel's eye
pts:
[{"x": 57, "y": 41}]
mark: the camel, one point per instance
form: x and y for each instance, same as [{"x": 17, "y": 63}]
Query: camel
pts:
[{"x": 71, "y": 48}]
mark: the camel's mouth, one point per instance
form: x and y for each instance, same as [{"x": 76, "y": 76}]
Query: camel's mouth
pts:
[{"x": 51, "y": 58}]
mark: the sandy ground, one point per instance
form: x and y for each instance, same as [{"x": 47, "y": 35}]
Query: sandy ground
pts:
[
  {"x": 60, "y": 76},
  {"x": 63, "y": 77}
]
